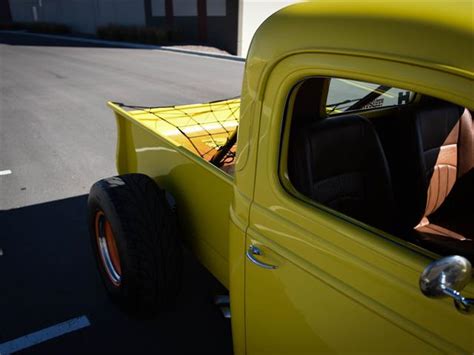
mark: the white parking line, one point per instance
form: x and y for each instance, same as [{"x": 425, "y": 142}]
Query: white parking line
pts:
[
  {"x": 5, "y": 172},
  {"x": 43, "y": 335}
]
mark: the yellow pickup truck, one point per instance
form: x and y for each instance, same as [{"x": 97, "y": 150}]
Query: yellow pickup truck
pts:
[{"x": 333, "y": 199}]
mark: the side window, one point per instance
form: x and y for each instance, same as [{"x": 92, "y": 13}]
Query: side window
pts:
[
  {"x": 337, "y": 160},
  {"x": 344, "y": 94},
  {"x": 350, "y": 152}
]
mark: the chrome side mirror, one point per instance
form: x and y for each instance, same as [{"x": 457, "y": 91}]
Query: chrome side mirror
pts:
[{"x": 446, "y": 277}]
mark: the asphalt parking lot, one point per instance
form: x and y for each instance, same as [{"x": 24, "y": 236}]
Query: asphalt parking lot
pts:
[{"x": 57, "y": 138}]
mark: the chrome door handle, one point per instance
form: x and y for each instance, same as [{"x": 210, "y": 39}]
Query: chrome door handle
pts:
[{"x": 253, "y": 250}]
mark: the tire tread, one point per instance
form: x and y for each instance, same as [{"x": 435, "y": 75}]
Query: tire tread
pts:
[{"x": 153, "y": 254}]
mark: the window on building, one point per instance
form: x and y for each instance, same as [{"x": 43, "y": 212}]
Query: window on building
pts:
[
  {"x": 216, "y": 7},
  {"x": 158, "y": 8},
  {"x": 185, "y": 8}
]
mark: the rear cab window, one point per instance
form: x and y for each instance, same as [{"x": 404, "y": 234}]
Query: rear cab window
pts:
[{"x": 344, "y": 94}]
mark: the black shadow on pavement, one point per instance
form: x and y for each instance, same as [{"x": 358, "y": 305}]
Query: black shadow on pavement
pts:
[{"x": 48, "y": 276}]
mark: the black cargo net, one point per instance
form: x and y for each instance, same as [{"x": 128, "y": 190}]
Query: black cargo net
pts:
[{"x": 208, "y": 129}]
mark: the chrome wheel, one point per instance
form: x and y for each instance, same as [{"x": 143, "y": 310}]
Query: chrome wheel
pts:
[{"x": 107, "y": 248}]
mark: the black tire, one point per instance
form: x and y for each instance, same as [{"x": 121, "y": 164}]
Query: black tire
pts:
[{"x": 143, "y": 228}]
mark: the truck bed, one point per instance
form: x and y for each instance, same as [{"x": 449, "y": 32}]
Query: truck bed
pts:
[
  {"x": 173, "y": 145},
  {"x": 201, "y": 128}
]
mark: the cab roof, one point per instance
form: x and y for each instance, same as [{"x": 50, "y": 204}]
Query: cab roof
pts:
[{"x": 435, "y": 34}]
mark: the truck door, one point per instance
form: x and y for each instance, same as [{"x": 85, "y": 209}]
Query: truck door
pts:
[{"x": 319, "y": 282}]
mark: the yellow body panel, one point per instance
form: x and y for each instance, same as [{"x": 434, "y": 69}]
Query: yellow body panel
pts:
[
  {"x": 202, "y": 192},
  {"x": 334, "y": 277},
  {"x": 340, "y": 286}
]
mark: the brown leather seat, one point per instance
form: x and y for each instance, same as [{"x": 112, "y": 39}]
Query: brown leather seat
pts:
[
  {"x": 445, "y": 133},
  {"x": 432, "y": 170}
]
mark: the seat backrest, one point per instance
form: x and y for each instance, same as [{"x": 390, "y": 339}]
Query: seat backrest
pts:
[
  {"x": 445, "y": 145},
  {"x": 429, "y": 147},
  {"x": 344, "y": 168}
]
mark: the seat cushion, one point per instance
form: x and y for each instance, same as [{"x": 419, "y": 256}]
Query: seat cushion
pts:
[
  {"x": 426, "y": 227},
  {"x": 445, "y": 245}
]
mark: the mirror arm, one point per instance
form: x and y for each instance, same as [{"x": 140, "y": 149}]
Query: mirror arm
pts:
[
  {"x": 462, "y": 303},
  {"x": 444, "y": 277}
]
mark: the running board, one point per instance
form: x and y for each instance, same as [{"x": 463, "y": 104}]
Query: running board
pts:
[{"x": 223, "y": 302}]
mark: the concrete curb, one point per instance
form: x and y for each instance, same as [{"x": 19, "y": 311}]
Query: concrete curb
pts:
[{"x": 131, "y": 45}]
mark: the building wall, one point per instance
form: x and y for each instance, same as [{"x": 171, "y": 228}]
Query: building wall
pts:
[
  {"x": 226, "y": 24},
  {"x": 5, "y": 15},
  {"x": 253, "y": 13},
  {"x": 21, "y": 10},
  {"x": 124, "y": 12},
  {"x": 223, "y": 31},
  {"x": 220, "y": 18},
  {"x": 81, "y": 15}
]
